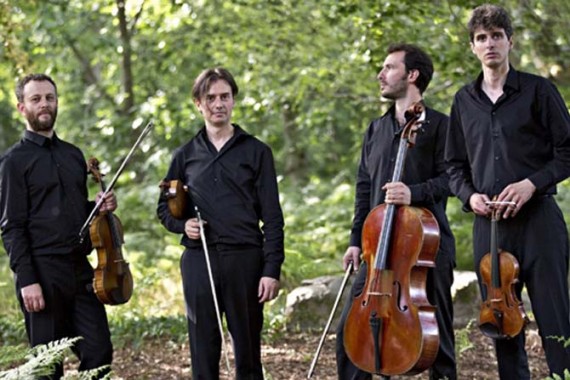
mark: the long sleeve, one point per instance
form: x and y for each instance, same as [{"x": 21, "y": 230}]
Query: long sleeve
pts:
[
  {"x": 271, "y": 216},
  {"x": 13, "y": 222}
]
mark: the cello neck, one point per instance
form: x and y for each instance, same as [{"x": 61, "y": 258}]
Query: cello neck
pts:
[{"x": 388, "y": 223}]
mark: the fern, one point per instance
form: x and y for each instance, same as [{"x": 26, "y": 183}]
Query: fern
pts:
[{"x": 40, "y": 360}]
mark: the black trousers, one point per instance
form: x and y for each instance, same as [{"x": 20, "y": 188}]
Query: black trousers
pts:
[
  {"x": 538, "y": 238},
  {"x": 71, "y": 310},
  {"x": 439, "y": 283},
  {"x": 236, "y": 276}
]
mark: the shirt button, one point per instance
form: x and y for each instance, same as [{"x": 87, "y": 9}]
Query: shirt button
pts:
[{"x": 497, "y": 158}]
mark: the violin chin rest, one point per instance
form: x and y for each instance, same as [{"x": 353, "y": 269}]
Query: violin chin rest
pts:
[{"x": 492, "y": 331}]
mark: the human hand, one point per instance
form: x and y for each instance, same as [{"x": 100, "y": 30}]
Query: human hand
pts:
[
  {"x": 478, "y": 203},
  {"x": 352, "y": 255},
  {"x": 110, "y": 202},
  {"x": 33, "y": 298},
  {"x": 397, "y": 193},
  {"x": 268, "y": 289},
  {"x": 192, "y": 228},
  {"x": 519, "y": 193}
]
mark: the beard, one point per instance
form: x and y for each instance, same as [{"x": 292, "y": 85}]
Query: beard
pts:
[
  {"x": 38, "y": 125},
  {"x": 397, "y": 90}
]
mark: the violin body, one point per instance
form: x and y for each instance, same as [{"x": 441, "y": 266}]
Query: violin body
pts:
[
  {"x": 502, "y": 314},
  {"x": 113, "y": 282},
  {"x": 391, "y": 327},
  {"x": 176, "y": 195}
]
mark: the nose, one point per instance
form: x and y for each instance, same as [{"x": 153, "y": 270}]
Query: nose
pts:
[
  {"x": 217, "y": 102},
  {"x": 380, "y": 75},
  {"x": 44, "y": 103}
]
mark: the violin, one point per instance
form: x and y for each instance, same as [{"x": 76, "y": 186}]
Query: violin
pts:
[
  {"x": 502, "y": 314},
  {"x": 175, "y": 192},
  {"x": 113, "y": 282},
  {"x": 391, "y": 327}
]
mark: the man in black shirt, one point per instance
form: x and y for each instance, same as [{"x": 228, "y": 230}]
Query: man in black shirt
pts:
[
  {"x": 406, "y": 73},
  {"x": 231, "y": 179},
  {"x": 509, "y": 138},
  {"x": 43, "y": 204}
]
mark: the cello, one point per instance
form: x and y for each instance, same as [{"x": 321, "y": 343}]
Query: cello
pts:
[
  {"x": 502, "y": 314},
  {"x": 112, "y": 282},
  {"x": 391, "y": 327}
]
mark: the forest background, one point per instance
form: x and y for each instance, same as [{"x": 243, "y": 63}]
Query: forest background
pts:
[{"x": 306, "y": 71}]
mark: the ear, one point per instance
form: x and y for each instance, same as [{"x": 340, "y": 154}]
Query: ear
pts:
[
  {"x": 413, "y": 75},
  {"x": 198, "y": 104},
  {"x": 472, "y": 45},
  {"x": 511, "y": 43},
  {"x": 21, "y": 107}
]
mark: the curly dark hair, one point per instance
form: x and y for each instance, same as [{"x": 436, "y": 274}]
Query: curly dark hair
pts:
[{"x": 487, "y": 17}]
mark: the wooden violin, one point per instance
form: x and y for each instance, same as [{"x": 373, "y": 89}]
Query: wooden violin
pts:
[
  {"x": 391, "y": 327},
  {"x": 502, "y": 314},
  {"x": 175, "y": 192},
  {"x": 113, "y": 282}
]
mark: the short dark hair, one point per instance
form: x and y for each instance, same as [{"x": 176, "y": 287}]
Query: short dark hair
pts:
[
  {"x": 415, "y": 59},
  {"x": 487, "y": 17},
  {"x": 208, "y": 77},
  {"x": 29, "y": 78}
]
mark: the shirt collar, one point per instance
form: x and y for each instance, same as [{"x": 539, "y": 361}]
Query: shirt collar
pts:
[
  {"x": 38, "y": 139},
  {"x": 511, "y": 84}
]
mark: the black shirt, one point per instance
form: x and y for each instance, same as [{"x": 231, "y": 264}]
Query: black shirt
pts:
[
  {"x": 43, "y": 201},
  {"x": 525, "y": 134},
  {"x": 234, "y": 189},
  {"x": 424, "y": 171}
]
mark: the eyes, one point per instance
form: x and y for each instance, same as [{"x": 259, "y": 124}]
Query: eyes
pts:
[
  {"x": 495, "y": 36},
  {"x": 37, "y": 98},
  {"x": 210, "y": 98}
]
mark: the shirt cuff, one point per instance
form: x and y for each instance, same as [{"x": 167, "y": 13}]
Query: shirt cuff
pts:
[
  {"x": 272, "y": 270},
  {"x": 26, "y": 276}
]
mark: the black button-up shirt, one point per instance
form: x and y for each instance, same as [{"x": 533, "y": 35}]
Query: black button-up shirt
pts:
[
  {"x": 525, "y": 134},
  {"x": 424, "y": 172},
  {"x": 43, "y": 201},
  {"x": 234, "y": 189}
]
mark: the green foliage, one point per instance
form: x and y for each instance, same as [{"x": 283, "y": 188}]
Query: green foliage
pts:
[
  {"x": 40, "y": 361},
  {"x": 306, "y": 71},
  {"x": 558, "y": 377},
  {"x": 462, "y": 341}
]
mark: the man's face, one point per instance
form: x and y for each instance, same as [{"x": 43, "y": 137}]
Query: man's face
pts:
[
  {"x": 491, "y": 47},
  {"x": 39, "y": 106},
  {"x": 217, "y": 105},
  {"x": 393, "y": 76}
]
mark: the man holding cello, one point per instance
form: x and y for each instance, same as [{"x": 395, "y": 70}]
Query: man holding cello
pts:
[
  {"x": 43, "y": 203},
  {"x": 406, "y": 73},
  {"x": 509, "y": 138}
]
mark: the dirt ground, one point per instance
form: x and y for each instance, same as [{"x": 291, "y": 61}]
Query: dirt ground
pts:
[{"x": 290, "y": 359}]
